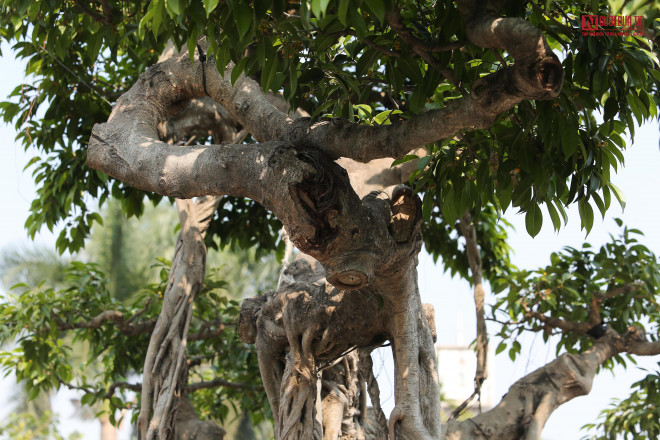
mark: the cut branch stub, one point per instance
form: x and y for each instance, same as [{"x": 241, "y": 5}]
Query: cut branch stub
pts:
[{"x": 406, "y": 213}]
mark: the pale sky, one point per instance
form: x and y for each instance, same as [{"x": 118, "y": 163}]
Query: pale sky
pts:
[{"x": 639, "y": 181}]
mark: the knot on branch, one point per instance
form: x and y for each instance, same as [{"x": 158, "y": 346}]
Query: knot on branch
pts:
[
  {"x": 319, "y": 194},
  {"x": 406, "y": 213},
  {"x": 634, "y": 334},
  {"x": 550, "y": 74}
]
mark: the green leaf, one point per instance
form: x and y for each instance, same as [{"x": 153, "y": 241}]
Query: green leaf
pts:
[
  {"x": 192, "y": 43},
  {"x": 367, "y": 60},
  {"x": 554, "y": 216},
  {"x": 319, "y": 7},
  {"x": 378, "y": 8},
  {"x": 600, "y": 204},
  {"x": 269, "y": 72},
  {"x": 423, "y": 162},
  {"x": 427, "y": 206},
  {"x": 383, "y": 118},
  {"x": 243, "y": 18},
  {"x": 237, "y": 70},
  {"x": 447, "y": 208},
  {"x": 611, "y": 108},
  {"x": 176, "y": 6},
  {"x": 209, "y": 6},
  {"x": 534, "y": 220},
  {"x": 586, "y": 214},
  {"x": 343, "y": 11},
  {"x": 404, "y": 159},
  {"x": 417, "y": 99},
  {"x": 618, "y": 194}
]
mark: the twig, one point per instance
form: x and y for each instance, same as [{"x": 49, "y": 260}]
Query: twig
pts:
[
  {"x": 65, "y": 67},
  {"x": 70, "y": 385},
  {"x": 105, "y": 19},
  {"x": 422, "y": 49},
  {"x": 137, "y": 387},
  {"x": 126, "y": 327},
  {"x": 219, "y": 383}
]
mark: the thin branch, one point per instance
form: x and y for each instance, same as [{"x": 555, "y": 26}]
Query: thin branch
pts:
[
  {"x": 603, "y": 296},
  {"x": 65, "y": 67},
  {"x": 562, "y": 324},
  {"x": 70, "y": 385},
  {"x": 422, "y": 49},
  {"x": 125, "y": 326},
  {"x": 105, "y": 18},
  {"x": 393, "y": 53},
  {"x": 598, "y": 298},
  {"x": 208, "y": 330},
  {"x": 219, "y": 383},
  {"x": 137, "y": 387},
  {"x": 474, "y": 259},
  {"x": 370, "y": 43}
]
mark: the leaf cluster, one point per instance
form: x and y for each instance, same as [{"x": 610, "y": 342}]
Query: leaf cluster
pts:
[
  {"x": 637, "y": 416},
  {"x": 619, "y": 283},
  {"x": 340, "y": 59},
  {"x": 60, "y": 340}
]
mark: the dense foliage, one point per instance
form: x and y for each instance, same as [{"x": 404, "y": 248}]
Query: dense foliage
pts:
[
  {"x": 338, "y": 59},
  {"x": 45, "y": 323},
  {"x": 623, "y": 277}
]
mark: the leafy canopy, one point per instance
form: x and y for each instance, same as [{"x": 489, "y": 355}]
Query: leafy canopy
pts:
[{"x": 339, "y": 59}]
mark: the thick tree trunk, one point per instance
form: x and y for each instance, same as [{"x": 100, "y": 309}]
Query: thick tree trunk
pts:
[{"x": 303, "y": 330}]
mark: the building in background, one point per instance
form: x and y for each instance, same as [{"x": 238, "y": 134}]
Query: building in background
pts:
[{"x": 456, "y": 367}]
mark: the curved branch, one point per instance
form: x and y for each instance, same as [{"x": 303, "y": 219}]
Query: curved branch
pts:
[
  {"x": 562, "y": 324},
  {"x": 124, "y": 325},
  {"x": 422, "y": 49},
  {"x": 536, "y": 75},
  {"x": 215, "y": 383},
  {"x": 567, "y": 377}
]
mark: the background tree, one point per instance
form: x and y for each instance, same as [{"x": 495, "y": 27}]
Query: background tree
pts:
[{"x": 504, "y": 123}]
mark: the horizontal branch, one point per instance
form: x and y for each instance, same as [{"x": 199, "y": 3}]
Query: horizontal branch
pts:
[
  {"x": 616, "y": 291},
  {"x": 215, "y": 383},
  {"x": 518, "y": 415},
  {"x": 124, "y": 325},
  {"x": 562, "y": 324},
  {"x": 209, "y": 330},
  {"x": 644, "y": 348},
  {"x": 567, "y": 377},
  {"x": 128, "y": 328},
  {"x": 536, "y": 75},
  {"x": 137, "y": 387},
  {"x": 309, "y": 193}
]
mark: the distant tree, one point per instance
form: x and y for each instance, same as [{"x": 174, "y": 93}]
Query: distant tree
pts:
[{"x": 275, "y": 119}]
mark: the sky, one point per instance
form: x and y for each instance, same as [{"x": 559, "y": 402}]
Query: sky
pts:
[{"x": 452, "y": 298}]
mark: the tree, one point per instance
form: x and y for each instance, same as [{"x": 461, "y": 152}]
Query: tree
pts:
[{"x": 496, "y": 119}]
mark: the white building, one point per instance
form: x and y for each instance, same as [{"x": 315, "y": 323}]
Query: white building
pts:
[{"x": 456, "y": 367}]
